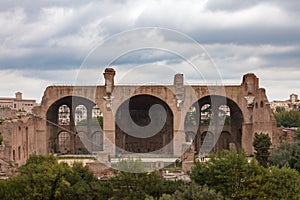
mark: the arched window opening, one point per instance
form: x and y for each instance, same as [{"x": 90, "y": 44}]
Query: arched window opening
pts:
[
  {"x": 191, "y": 117},
  {"x": 1, "y": 138},
  {"x": 224, "y": 114},
  {"x": 206, "y": 114},
  {"x": 64, "y": 142},
  {"x": 261, "y": 104},
  {"x": 97, "y": 116},
  {"x": 80, "y": 115},
  {"x": 64, "y": 115},
  {"x": 14, "y": 155}
]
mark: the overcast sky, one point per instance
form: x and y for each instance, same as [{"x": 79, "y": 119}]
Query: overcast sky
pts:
[{"x": 61, "y": 42}]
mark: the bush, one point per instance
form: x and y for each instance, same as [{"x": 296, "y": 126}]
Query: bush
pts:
[
  {"x": 196, "y": 192},
  {"x": 286, "y": 154},
  {"x": 230, "y": 174},
  {"x": 43, "y": 178}
]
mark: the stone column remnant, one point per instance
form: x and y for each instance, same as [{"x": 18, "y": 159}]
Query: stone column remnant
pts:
[
  {"x": 179, "y": 90},
  {"x": 109, "y": 75}
]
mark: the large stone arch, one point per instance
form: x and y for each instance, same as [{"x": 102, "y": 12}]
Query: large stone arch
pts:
[
  {"x": 77, "y": 145},
  {"x": 139, "y": 106},
  {"x": 52, "y": 94},
  {"x": 232, "y": 132},
  {"x": 164, "y": 93}
]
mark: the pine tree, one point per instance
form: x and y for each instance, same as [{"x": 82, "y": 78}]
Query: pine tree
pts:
[{"x": 261, "y": 144}]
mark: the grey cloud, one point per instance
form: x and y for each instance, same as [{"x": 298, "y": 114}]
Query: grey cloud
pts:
[
  {"x": 237, "y": 34},
  {"x": 250, "y": 35},
  {"x": 230, "y": 5},
  {"x": 233, "y": 5},
  {"x": 147, "y": 56}
]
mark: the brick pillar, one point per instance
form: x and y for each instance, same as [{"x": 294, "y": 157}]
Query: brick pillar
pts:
[{"x": 109, "y": 135}]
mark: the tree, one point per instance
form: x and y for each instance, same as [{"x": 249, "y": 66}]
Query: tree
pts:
[
  {"x": 286, "y": 154},
  {"x": 137, "y": 186},
  {"x": 166, "y": 197},
  {"x": 131, "y": 165},
  {"x": 43, "y": 178},
  {"x": 225, "y": 172},
  {"x": 235, "y": 178},
  {"x": 282, "y": 184},
  {"x": 261, "y": 144},
  {"x": 280, "y": 109},
  {"x": 196, "y": 192},
  {"x": 288, "y": 118}
]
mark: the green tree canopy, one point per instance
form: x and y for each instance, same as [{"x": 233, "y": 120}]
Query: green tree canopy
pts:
[
  {"x": 286, "y": 153},
  {"x": 288, "y": 118},
  {"x": 234, "y": 177},
  {"x": 261, "y": 144},
  {"x": 128, "y": 185},
  {"x": 196, "y": 192},
  {"x": 224, "y": 172},
  {"x": 43, "y": 178}
]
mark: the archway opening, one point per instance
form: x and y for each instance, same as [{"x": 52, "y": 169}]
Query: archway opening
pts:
[
  {"x": 64, "y": 142},
  {"x": 219, "y": 116},
  {"x": 64, "y": 115},
  {"x": 139, "y": 107},
  {"x": 78, "y": 117}
]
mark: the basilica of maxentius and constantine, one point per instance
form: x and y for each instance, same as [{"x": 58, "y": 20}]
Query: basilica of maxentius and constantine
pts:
[{"x": 115, "y": 120}]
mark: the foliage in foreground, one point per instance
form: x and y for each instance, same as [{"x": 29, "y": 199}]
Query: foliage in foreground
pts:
[
  {"x": 136, "y": 186},
  {"x": 236, "y": 178},
  {"x": 43, "y": 178},
  {"x": 193, "y": 192},
  {"x": 227, "y": 175},
  {"x": 286, "y": 154}
]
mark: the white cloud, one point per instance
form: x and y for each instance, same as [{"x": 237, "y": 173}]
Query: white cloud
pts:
[
  {"x": 13, "y": 81},
  {"x": 48, "y": 41}
]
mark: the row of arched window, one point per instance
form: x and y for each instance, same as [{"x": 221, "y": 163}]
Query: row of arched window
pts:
[
  {"x": 80, "y": 115},
  {"x": 261, "y": 104},
  {"x": 206, "y": 115},
  {"x": 94, "y": 143}
]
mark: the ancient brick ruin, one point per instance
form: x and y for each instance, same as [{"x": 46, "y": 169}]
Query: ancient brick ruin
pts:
[{"x": 198, "y": 115}]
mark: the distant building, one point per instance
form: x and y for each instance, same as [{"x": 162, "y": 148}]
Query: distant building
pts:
[
  {"x": 291, "y": 104},
  {"x": 17, "y": 103}
]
